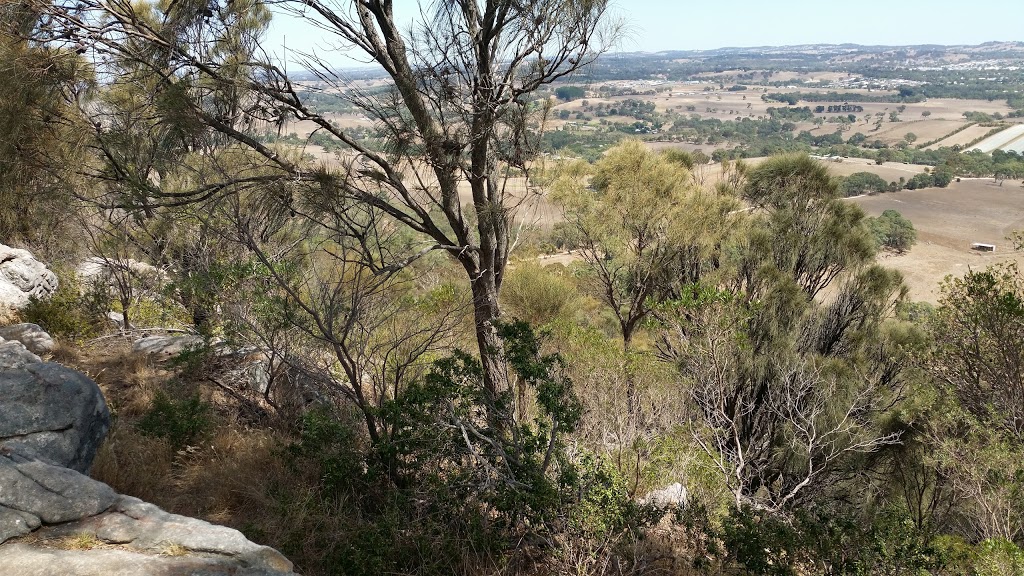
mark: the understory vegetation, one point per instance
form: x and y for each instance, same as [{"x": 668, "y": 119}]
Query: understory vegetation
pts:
[{"x": 397, "y": 368}]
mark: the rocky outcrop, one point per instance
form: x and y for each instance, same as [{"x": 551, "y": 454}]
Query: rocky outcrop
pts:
[
  {"x": 56, "y": 520},
  {"x": 26, "y": 560},
  {"x": 23, "y": 277},
  {"x": 105, "y": 271},
  {"x": 31, "y": 335}
]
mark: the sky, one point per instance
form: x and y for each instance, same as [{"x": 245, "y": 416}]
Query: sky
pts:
[{"x": 657, "y": 25}]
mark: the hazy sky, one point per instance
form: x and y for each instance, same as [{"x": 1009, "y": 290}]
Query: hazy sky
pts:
[{"x": 685, "y": 25}]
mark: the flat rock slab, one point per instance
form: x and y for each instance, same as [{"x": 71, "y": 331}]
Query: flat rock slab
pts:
[
  {"x": 49, "y": 411},
  {"x": 26, "y": 560},
  {"x": 166, "y": 346},
  {"x": 145, "y": 531}
]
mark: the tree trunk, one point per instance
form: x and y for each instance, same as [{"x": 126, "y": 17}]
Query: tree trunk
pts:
[
  {"x": 485, "y": 314},
  {"x": 632, "y": 409}
]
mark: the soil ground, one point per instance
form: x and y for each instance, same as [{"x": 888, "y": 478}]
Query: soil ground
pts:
[{"x": 948, "y": 221}]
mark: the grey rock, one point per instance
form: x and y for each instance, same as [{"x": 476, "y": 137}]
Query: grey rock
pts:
[
  {"x": 161, "y": 527},
  {"x": 140, "y": 527},
  {"x": 116, "y": 318},
  {"x": 50, "y": 412},
  {"x": 166, "y": 345},
  {"x": 31, "y": 335},
  {"x": 23, "y": 277},
  {"x": 26, "y": 560},
  {"x": 96, "y": 269},
  {"x": 14, "y": 523},
  {"x": 14, "y": 355},
  {"x": 52, "y": 420},
  {"x": 51, "y": 493},
  {"x": 673, "y": 495}
]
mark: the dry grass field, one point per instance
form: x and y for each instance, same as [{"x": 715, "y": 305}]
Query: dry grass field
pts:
[
  {"x": 963, "y": 138},
  {"x": 890, "y": 171},
  {"x": 947, "y": 221}
]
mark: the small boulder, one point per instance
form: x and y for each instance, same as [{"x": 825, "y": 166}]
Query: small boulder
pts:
[
  {"x": 48, "y": 411},
  {"x": 96, "y": 270},
  {"x": 116, "y": 318},
  {"x": 31, "y": 335},
  {"x": 23, "y": 277},
  {"x": 671, "y": 496}
]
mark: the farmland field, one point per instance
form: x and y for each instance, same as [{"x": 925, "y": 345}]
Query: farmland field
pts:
[
  {"x": 948, "y": 221},
  {"x": 1011, "y": 139},
  {"x": 890, "y": 171},
  {"x": 961, "y": 138}
]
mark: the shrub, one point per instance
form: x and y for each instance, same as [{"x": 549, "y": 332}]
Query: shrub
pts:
[
  {"x": 538, "y": 294},
  {"x": 74, "y": 312},
  {"x": 182, "y": 422},
  {"x": 997, "y": 557}
]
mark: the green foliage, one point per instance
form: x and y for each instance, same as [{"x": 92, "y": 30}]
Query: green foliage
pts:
[
  {"x": 792, "y": 114},
  {"x": 569, "y": 93},
  {"x": 41, "y": 139},
  {"x": 182, "y": 421},
  {"x": 461, "y": 476},
  {"x": 450, "y": 417},
  {"x": 863, "y": 183},
  {"x": 999, "y": 557},
  {"x": 978, "y": 330},
  {"x": 892, "y": 231},
  {"x": 832, "y": 541},
  {"x": 333, "y": 448},
  {"x": 539, "y": 295},
  {"x": 193, "y": 359},
  {"x": 938, "y": 179},
  {"x": 75, "y": 312}
]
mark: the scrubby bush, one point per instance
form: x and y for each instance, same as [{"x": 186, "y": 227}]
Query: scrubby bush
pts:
[
  {"x": 75, "y": 312},
  {"x": 181, "y": 421},
  {"x": 460, "y": 482}
]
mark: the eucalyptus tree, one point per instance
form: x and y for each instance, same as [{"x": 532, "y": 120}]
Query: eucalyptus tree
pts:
[
  {"x": 458, "y": 109},
  {"x": 643, "y": 228}
]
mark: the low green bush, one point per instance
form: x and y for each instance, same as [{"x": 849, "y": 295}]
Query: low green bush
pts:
[{"x": 182, "y": 422}]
